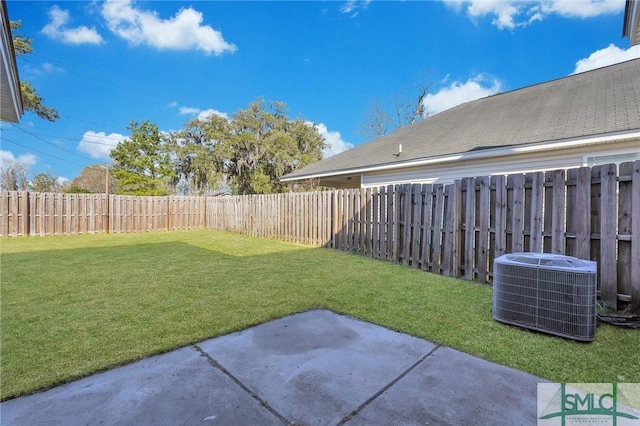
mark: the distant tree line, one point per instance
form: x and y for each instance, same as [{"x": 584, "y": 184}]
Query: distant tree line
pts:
[{"x": 244, "y": 154}]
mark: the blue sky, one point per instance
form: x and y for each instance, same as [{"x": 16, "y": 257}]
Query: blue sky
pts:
[{"x": 103, "y": 64}]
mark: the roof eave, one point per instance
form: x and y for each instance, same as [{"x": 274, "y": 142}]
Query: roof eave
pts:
[
  {"x": 12, "y": 106},
  {"x": 485, "y": 153}
]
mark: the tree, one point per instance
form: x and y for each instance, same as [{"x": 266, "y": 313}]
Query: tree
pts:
[
  {"x": 74, "y": 189},
  {"x": 142, "y": 164},
  {"x": 264, "y": 145},
  {"x": 249, "y": 152},
  {"x": 13, "y": 175},
  {"x": 44, "y": 182},
  {"x": 30, "y": 99},
  {"x": 398, "y": 111},
  {"x": 93, "y": 179},
  {"x": 197, "y": 168}
]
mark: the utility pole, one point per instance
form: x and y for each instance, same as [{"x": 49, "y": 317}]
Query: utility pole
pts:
[
  {"x": 107, "y": 215},
  {"x": 106, "y": 180}
]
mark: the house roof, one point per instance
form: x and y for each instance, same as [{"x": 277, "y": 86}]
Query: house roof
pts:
[
  {"x": 10, "y": 98},
  {"x": 597, "y": 102}
]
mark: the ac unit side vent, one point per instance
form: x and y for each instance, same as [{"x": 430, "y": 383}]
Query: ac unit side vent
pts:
[{"x": 550, "y": 293}]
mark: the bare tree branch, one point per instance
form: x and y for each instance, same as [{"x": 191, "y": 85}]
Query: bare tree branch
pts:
[{"x": 398, "y": 111}]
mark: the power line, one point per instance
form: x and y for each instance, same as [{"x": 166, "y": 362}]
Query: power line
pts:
[
  {"x": 95, "y": 77},
  {"x": 41, "y": 152},
  {"x": 52, "y": 144},
  {"x": 67, "y": 138},
  {"x": 109, "y": 126}
]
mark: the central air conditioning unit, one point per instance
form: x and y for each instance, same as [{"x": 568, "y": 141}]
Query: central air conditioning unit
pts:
[{"x": 551, "y": 293}]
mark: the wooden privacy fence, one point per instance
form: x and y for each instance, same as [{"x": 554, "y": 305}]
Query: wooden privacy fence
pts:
[
  {"x": 459, "y": 229},
  {"x": 298, "y": 217},
  {"x": 456, "y": 230},
  {"x": 31, "y": 213}
]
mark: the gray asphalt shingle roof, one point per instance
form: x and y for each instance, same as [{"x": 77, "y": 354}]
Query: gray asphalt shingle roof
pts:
[{"x": 601, "y": 101}]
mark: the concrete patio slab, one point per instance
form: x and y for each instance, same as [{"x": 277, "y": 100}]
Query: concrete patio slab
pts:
[
  {"x": 176, "y": 388},
  {"x": 316, "y": 367},
  {"x": 454, "y": 388}
]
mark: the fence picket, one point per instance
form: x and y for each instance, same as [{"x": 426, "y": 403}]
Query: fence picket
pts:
[
  {"x": 535, "y": 226},
  {"x": 427, "y": 227},
  {"x": 634, "y": 285},
  {"x": 482, "y": 245},
  {"x": 517, "y": 225},
  {"x": 437, "y": 242},
  {"x": 500, "y": 215},
  {"x": 469, "y": 226},
  {"x": 608, "y": 261}
]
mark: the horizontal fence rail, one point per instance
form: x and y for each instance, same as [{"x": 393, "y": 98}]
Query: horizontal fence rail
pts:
[{"x": 457, "y": 230}]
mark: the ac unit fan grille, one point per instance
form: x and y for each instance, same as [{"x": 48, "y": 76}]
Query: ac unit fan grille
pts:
[{"x": 551, "y": 300}]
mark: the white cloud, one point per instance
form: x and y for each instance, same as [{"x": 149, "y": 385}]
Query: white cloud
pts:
[
  {"x": 57, "y": 29},
  {"x": 608, "y": 56},
  {"x": 582, "y": 9},
  {"x": 509, "y": 14},
  {"x": 188, "y": 110},
  {"x": 209, "y": 112},
  {"x": 182, "y": 32},
  {"x": 348, "y": 6},
  {"x": 50, "y": 68},
  {"x": 202, "y": 114},
  {"x": 352, "y": 6},
  {"x": 45, "y": 68},
  {"x": 335, "y": 143},
  {"x": 27, "y": 160},
  {"x": 457, "y": 93},
  {"x": 99, "y": 144}
]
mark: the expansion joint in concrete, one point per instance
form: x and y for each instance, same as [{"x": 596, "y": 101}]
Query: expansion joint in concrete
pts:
[
  {"x": 385, "y": 388},
  {"x": 262, "y": 402}
]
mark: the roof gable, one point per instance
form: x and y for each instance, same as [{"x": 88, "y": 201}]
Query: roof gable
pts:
[{"x": 596, "y": 102}]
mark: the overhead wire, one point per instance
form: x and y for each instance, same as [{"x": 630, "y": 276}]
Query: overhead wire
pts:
[
  {"x": 120, "y": 83},
  {"x": 50, "y": 143},
  {"x": 68, "y": 138},
  {"x": 42, "y": 152},
  {"x": 91, "y": 76}
]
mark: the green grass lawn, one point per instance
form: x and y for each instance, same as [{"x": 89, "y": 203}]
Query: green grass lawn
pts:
[{"x": 72, "y": 306}]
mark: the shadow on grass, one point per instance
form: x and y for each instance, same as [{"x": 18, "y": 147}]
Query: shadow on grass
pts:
[
  {"x": 77, "y": 311},
  {"x": 73, "y": 312}
]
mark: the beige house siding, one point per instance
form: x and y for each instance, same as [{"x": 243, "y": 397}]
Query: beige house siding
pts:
[{"x": 515, "y": 163}]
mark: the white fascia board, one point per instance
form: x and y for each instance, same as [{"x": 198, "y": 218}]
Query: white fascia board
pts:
[
  {"x": 484, "y": 153},
  {"x": 10, "y": 79}
]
